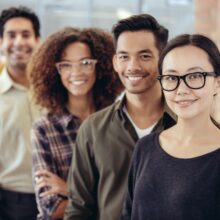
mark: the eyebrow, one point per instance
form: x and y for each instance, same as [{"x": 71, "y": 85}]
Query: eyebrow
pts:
[
  {"x": 141, "y": 51},
  {"x": 170, "y": 71},
  {"x": 15, "y": 31},
  {"x": 84, "y": 58},
  {"x": 145, "y": 51},
  {"x": 196, "y": 68}
]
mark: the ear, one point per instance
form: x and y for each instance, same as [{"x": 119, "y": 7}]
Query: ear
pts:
[
  {"x": 1, "y": 46},
  {"x": 115, "y": 65},
  {"x": 38, "y": 40}
]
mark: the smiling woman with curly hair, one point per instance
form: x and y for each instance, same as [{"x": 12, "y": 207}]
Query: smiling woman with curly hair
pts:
[
  {"x": 72, "y": 76},
  {"x": 49, "y": 90}
]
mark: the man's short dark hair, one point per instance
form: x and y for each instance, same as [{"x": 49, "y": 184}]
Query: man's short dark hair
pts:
[
  {"x": 20, "y": 11},
  {"x": 142, "y": 22}
]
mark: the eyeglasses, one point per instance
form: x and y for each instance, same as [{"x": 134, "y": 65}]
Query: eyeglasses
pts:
[
  {"x": 194, "y": 80},
  {"x": 85, "y": 66}
]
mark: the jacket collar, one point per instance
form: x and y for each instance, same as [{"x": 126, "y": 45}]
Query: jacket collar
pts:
[{"x": 121, "y": 103}]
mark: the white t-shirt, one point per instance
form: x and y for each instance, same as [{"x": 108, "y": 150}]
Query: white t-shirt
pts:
[{"x": 140, "y": 132}]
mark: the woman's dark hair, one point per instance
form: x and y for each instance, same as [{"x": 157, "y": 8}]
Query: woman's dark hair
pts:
[
  {"x": 48, "y": 89},
  {"x": 142, "y": 22},
  {"x": 196, "y": 40},
  {"x": 20, "y": 11}
]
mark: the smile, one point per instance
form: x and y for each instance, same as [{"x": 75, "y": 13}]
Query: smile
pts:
[
  {"x": 135, "y": 78},
  {"x": 20, "y": 50},
  {"x": 185, "y": 102},
  {"x": 78, "y": 82}
]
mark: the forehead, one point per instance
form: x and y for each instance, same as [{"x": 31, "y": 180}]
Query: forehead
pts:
[
  {"x": 18, "y": 24},
  {"x": 76, "y": 50},
  {"x": 134, "y": 41},
  {"x": 183, "y": 58}
]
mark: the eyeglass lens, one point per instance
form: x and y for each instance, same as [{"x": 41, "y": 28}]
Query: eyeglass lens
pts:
[
  {"x": 192, "y": 80},
  {"x": 86, "y": 65}
]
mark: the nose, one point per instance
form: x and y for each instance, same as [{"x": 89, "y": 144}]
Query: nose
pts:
[
  {"x": 182, "y": 88},
  {"x": 134, "y": 65},
  {"x": 19, "y": 40},
  {"x": 75, "y": 69}
]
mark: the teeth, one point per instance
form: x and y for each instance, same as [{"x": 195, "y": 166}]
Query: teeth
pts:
[
  {"x": 135, "y": 78},
  {"x": 184, "y": 102},
  {"x": 78, "y": 82},
  {"x": 20, "y": 53},
  {"x": 19, "y": 50}
]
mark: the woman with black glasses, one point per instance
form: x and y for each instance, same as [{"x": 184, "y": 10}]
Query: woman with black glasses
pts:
[
  {"x": 175, "y": 174},
  {"x": 72, "y": 76}
]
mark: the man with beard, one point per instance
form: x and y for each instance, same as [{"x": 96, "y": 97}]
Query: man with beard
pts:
[
  {"x": 19, "y": 35},
  {"x": 105, "y": 142}
]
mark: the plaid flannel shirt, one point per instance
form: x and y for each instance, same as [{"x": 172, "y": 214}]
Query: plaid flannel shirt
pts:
[{"x": 53, "y": 138}]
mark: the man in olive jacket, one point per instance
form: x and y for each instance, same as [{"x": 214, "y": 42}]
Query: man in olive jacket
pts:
[{"x": 105, "y": 142}]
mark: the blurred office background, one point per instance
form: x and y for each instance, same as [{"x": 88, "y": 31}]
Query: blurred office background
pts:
[{"x": 179, "y": 16}]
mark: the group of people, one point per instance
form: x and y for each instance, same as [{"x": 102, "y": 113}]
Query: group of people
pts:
[{"x": 72, "y": 149}]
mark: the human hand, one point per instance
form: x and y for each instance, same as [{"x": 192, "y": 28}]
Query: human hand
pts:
[{"x": 51, "y": 182}]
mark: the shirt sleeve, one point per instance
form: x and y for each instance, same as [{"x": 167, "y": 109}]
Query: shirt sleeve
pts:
[
  {"x": 82, "y": 180},
  {"x": 43, "y": 159}
]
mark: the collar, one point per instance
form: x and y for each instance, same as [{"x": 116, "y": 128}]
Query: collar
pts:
[
  {"x": 121, "y": 103},
  {"x": 7, "y": 83},
  {"x": 66, "y": 118}
]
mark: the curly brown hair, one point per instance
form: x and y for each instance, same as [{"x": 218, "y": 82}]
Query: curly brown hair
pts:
[{"x": 46, "y": 83}]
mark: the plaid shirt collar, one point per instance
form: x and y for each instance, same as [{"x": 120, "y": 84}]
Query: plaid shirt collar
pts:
[{"x": 66, "y": 118}]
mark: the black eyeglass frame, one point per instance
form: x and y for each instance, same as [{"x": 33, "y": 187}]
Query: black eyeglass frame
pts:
[{"x": 183, "y": 77}]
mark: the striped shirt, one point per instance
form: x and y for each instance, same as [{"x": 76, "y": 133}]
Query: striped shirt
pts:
[{"x": 53, "y": 137}]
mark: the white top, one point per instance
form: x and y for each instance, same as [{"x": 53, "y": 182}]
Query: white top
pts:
[
  {"x": 140, "y": 132},
  {"x": 16, "y": 117}
]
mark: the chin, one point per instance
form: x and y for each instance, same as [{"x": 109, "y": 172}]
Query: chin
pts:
[
  {"x": 186, "y": 116},
  {"x": 137, "y": 91},
  {"x": 20, "y": 65},
  {"x": 77, "y": 94}
]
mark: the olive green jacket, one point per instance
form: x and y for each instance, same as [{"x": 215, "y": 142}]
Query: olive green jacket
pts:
[{"x": 100, "y": 164}]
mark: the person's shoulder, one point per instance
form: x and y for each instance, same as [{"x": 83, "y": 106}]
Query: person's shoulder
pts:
[
  {"x": 108, "y": 111},
  {"x": 45, "y": 121},
  {"x": 147, "y": 143},
  {"x": 149, "y": 139},
  {"x": 143, "y": 150},
  {"x": 101, "y": 117}
]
